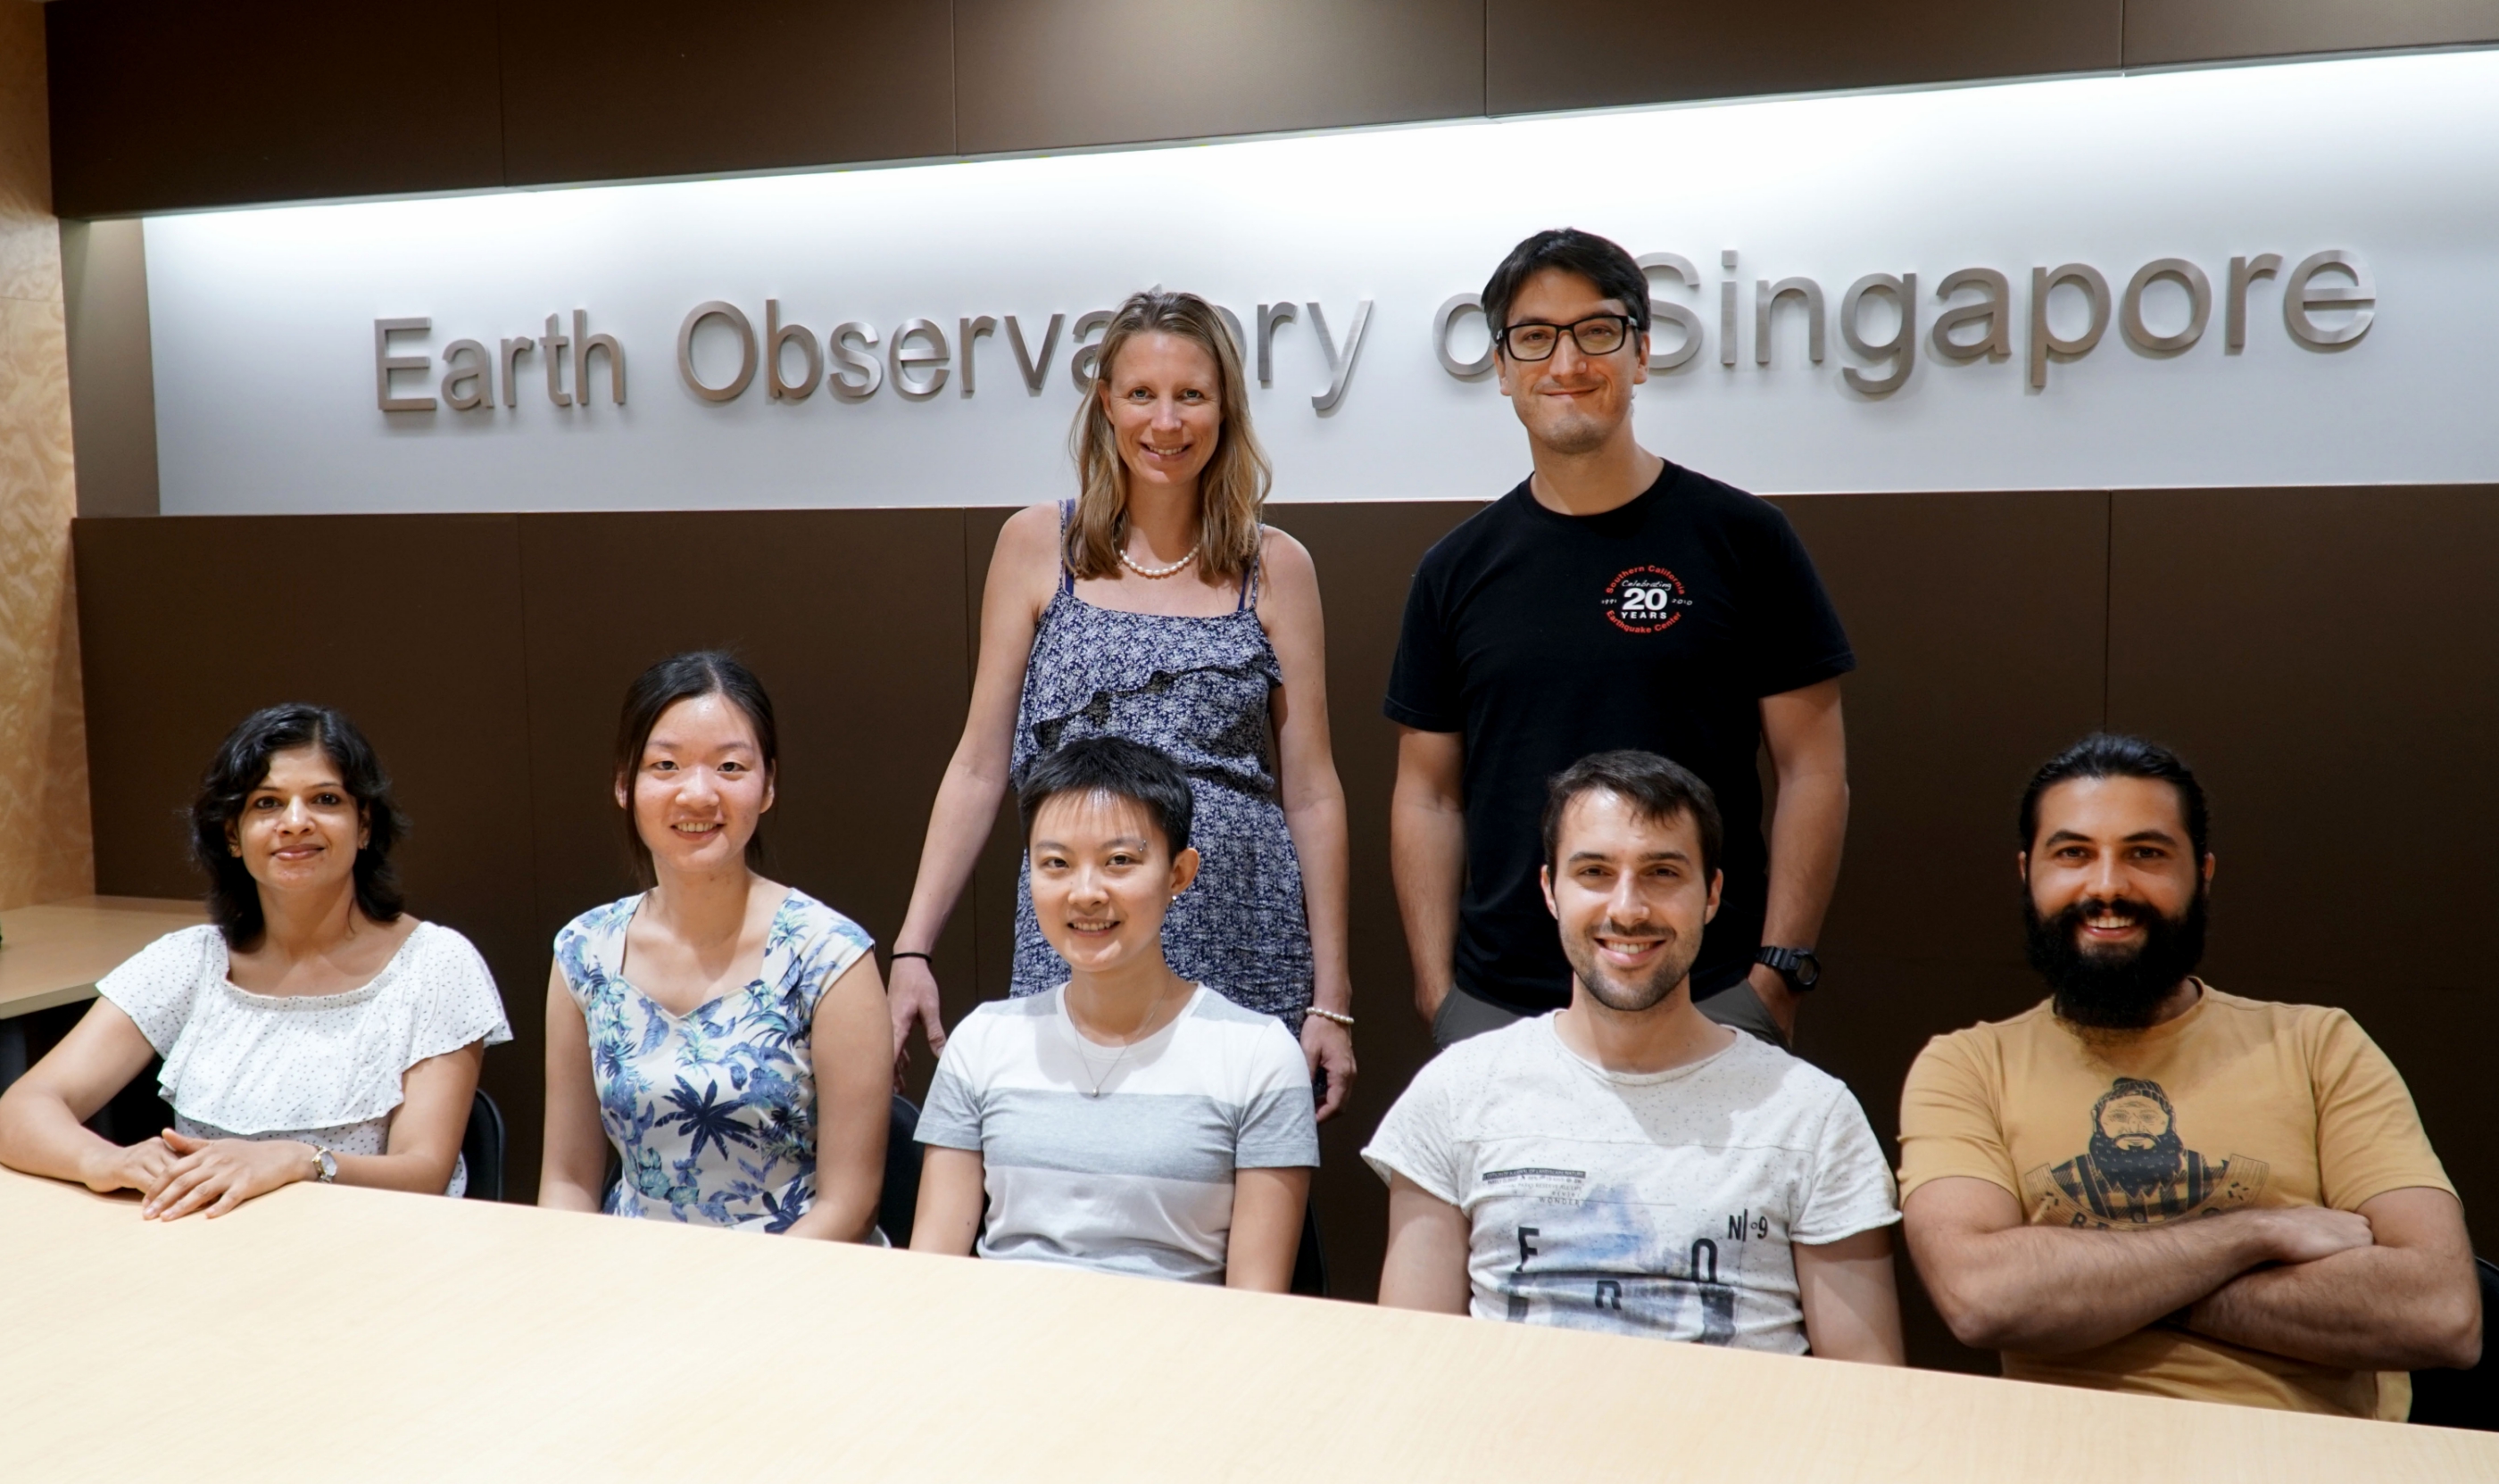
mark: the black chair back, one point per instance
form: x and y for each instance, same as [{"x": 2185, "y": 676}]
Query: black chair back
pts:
[
  {"x": 482, "y": 1149},
  {"x": 901, "y": 1195},
  {"x": 2464, "y": 1399}
]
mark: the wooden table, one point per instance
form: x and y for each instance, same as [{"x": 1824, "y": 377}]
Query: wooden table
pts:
[
  {"x": 329, "y": 1334},
  {"x": 53, "y": 954}
]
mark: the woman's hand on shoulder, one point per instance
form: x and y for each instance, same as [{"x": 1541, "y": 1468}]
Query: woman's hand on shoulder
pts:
[
  {"x": 1329, "y": 1047},
  {"x": 218, "y": 1175}
]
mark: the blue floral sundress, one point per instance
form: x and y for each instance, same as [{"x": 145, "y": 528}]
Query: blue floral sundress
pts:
[{"x": 713, "y": 1112}]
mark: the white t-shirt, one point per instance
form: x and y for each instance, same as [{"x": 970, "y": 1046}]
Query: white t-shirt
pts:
[
  {"x": 1138, "y": 1177},
  {"x": 1659, "y": 1204},
  {"x": 324, "y": 1068}
]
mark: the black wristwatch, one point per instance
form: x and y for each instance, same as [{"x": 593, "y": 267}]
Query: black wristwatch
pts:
[{"x": 1798, "y": 966}]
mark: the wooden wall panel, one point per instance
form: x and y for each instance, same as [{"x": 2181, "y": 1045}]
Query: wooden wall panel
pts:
[
  {"x": 1541, "y": 57},
  {"x": 1051, "y": 73},
  {"x": 2326, "y": 662},
  {"x": 854, "y": 620},
  {"x": 1978, "y": 622},
  {"x": 410, "y": 625},
  {"x": 2162, "y": 32},
  {"x": 667, "y": 88},
  {"x": 159, "y": 105}
]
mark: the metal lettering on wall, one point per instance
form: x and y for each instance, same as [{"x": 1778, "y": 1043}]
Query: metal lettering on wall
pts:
[
  {"x": 920, "y": 374},
  {"x": 2028, "y": 285}
]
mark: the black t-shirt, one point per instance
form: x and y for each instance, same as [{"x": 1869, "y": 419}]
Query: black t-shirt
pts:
[{"x": 1546, "y": 637}]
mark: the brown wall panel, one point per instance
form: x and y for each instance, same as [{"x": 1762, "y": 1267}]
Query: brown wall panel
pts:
[
  {"x": 1978, "y": 626},
  {"x": 2326, "y": 660},
  {"x": 666, "y": 87},
  {"x": 1540, "y": 56},
  {"x": 159, "y": 105},
  {"x": 1051, "y": 73},
  {"x": 2167, "y": 31},
  {"x": 410, "y": 625},
  {"x": 853, "y": 620}
]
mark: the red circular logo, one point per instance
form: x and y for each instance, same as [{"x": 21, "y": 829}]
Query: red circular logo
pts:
[{"x": 1646, "y": 599}]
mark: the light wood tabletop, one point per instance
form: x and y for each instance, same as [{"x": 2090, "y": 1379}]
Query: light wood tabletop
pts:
[
  {"x": 55, "y": 953},
  {"x": 324, "y": 1332}
]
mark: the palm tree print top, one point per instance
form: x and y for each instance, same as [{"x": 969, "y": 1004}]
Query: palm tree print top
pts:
[{"x": 713, "y": 1112}]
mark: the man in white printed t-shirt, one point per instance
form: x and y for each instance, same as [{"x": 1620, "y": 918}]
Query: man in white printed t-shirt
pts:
[{"x": 1627, "y": 1164}]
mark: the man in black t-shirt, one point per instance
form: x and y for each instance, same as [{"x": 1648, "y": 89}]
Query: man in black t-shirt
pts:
[{"x": 1612, "y": 600}]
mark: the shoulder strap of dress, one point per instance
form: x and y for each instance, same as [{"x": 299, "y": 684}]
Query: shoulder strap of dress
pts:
[
  {"x": 1249, "y": 577},
  {"x": 1066, "y": 573}
]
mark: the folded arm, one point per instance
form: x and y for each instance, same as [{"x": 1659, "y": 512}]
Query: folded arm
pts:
[
  {"x": 2003, "y": 1284},
  {"x": 2407, "y": 1301}
]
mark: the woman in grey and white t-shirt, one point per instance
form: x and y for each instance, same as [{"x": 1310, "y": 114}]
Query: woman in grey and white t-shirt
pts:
[
  {"x": 312, "y": 1031},
  {"x": 1127, "y": 1121}
]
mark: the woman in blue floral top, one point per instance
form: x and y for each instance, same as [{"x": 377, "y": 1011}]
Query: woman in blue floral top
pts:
[{"x": 725, "y": 1034}]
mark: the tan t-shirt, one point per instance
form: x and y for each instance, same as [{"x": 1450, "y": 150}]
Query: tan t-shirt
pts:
[{"x": 2237, "y": 1103}]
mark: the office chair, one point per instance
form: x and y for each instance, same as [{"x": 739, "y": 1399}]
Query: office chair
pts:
[
  {"x": 2464, "y": 1399},
  {"x": 482, "y": 1149}
]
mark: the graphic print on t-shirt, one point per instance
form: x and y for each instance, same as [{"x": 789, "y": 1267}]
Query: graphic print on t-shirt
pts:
[
  {"x": 1586, "y": 1261},
  {"x": 1646, "y": 599},
  {"x": 2137, "y": 1171}
]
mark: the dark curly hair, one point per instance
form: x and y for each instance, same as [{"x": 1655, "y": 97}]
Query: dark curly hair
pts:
[{"x": 242, "y": 762}]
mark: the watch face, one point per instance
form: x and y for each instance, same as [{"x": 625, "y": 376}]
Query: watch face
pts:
[{"x": 1808, "y": 970}]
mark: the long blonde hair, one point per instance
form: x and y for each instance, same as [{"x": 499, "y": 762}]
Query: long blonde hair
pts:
[{"x": 1231, "y": 493}]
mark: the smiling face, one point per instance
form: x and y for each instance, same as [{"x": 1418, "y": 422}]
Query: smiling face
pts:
[
  {"x": 2117, "y": 898},
  {"x": 1572, "y": 403},
  {"x": 1164, "y": 397},
  {"x": 700, "y": 787},
  {"x": 1102, "y": 879},
  {"x": 1631, "y": 899},
  {"x": 300, "y": 830}
]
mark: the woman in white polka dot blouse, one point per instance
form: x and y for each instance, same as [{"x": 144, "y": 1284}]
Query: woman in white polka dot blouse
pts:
[{"x": 312, "y": 1031}]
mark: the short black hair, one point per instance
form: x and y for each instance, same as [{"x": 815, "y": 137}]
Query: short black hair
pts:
[
  {"x": 1599, "y": 260},
  {"x": 686, "y": 677},
  {"x": 2115, "y": 755},
  {"x": 1145, "y": 776},
  {"x": 1659, "y": 788},
  {"x": 242, "y": 762}
]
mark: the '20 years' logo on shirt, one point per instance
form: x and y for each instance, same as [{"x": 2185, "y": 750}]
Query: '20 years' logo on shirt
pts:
[{"x": 1646, "y": 599}]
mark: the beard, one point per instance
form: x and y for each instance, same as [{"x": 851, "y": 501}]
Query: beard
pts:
[
  {"x": 1628, "y": 996},
  {"x": 2121, "y": 989},
  {"x": 2140, "y": 1171}
]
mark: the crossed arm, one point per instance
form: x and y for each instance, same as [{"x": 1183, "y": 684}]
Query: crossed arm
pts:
[
  {"x": 1852, "y": 1311},
  {"x": 2388, "y": 1287}
]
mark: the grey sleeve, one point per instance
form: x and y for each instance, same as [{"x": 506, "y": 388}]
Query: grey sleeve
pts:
[
  {"x": 1414, "y": 1139},
  {"x": 1852, "y": 1189},
  {"x": 952, "y": 1120},
  {"x": 1280, "y": 1126}
]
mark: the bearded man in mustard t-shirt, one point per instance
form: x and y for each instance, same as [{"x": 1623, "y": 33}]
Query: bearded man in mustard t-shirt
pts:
[{"x": 2145, "y": 1184}]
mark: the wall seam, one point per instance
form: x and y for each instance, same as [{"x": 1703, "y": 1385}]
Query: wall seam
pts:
[{"x": 2108, "y": 600}]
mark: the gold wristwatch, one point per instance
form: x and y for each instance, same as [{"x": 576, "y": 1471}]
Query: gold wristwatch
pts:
[{"x": 325, "y": 1166}]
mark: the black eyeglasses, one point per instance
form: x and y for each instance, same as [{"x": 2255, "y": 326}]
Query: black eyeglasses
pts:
[{"x": 1599, "y": 334}]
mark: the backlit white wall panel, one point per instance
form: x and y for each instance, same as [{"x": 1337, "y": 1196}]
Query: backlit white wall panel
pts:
[{"x": 263, "y": 320}]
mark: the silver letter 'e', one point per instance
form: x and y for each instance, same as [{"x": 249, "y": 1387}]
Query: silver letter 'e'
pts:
[
  {"x": 1445, "y": 317},
  {"x": 2199, "y": 305},
  {"x": 906, "y": 360},
  {"x": 2298, "y": 296},
  {"x": 746, "y": 356},
  {"x": 1677, "y": 315},
  {"x": 384, "y": 363}
]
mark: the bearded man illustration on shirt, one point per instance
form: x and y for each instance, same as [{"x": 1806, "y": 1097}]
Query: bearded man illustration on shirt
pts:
[{"x": 2138, "y": 1171}]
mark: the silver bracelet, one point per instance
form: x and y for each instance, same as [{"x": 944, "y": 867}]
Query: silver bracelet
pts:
[{"x": 1329, "y": 1015}]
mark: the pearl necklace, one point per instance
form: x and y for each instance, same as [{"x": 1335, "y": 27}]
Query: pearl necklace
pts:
[{"x": 1141, "y": 570}]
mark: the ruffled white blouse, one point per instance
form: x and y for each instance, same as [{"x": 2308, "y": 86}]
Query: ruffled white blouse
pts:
[{"x": 327, "y": 1069}]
